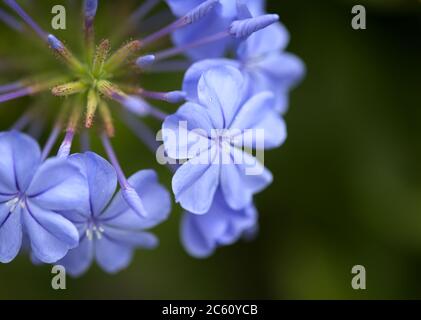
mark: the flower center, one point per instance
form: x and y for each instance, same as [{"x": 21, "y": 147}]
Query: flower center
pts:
[
  {"x": 15, "y": 202},
  {"x": 94, "y": 230}
]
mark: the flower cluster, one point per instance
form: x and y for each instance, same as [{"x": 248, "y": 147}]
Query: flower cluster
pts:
[{"x": 64, "y": 207}]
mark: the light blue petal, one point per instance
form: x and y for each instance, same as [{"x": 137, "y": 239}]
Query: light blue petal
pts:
[
  {"x": 186, "y": 132},
  {"x": 287, "y": 69},
  {"x": 221, "y": 225},
  {"x": 210, "y": 25},
  {"x": 272, "y": 39},
  {"x": 20, "y": 157},
  {"x": 242, "y": 178},
  {"x": 192, "y": 238},
  {"x": 257, "y": 115},
  {"x": 112, "y": 256},
  {"x": 130, "y": 238},
  {"x": 51, "y": 235},
  {"x": 78, "y": 260},
  {"x": 193, "y": 74},
  {"x": 195, "y": 182},
  {"x": 181, "y": 7},
  {"x": 278, "y": 73},
  {"x": 221, "y": 90},
  {"x": 101, "y": 178},
  {"x": 59, "y": 185},
  {"x": 10, "y": 233},
  {"x": 156, "y": 201}
]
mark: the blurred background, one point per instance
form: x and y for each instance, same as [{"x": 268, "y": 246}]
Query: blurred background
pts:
[{"x": 347, "y": 187}]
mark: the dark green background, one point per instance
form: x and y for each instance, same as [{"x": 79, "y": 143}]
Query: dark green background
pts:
[{"x": 347, "y": 186}]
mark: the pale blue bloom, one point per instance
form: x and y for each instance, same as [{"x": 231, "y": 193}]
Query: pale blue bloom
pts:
[
  {"x": 263, "y": 63},
  {"x": 210, "y": 133},
  {"x": 217, "y": 21},
  {"x": 109, "y": 230},
  {"x": 220, "y": 226},
  {"x": 31, "y": 195}
]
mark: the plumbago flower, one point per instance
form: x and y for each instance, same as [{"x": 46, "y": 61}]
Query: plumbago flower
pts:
[
  {"x": 101, "y": 86},
  {"x": 263, "y": 62},
  {"x": 32, "y": 194},
  {"x": 218, "y": 21},
  {"x": 210, "y": 133},
  {"x": 220, "y": 226},
  {"x": 109, "y": 230}
]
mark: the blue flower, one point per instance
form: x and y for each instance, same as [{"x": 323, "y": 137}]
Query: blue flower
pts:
[
  {"x": 263, "y": 63},
  {"x": 211, "y": 132},
  {"x": 32, "y": 194},
  {"x": 220, "y": 226},
  {"x": 109, "y": 230},
  {"x": 218, "y": 20}
]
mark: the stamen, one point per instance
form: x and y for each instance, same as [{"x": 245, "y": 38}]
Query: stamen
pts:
[
  {"x": 132, "y": 103},
  {"x": 100, "y": 57},
  {"x": 10, "y": 87},
  {"x": 10, "y": 21},
  {"x": 171, "y": 97},
  {"x": 91, "y": 108},
  {"x": 25, "y": 17},
  {"x": 122, "y": 55},
  {"x": 191, "y": 17},
  {"x": 129, "y": 193},
  {"x": 64, "y": 53},
  {"x": 90, "y": 9},
  {"x": 106, "y": 118},
  {"x": 68, "y": 89},
  {"x": 89, "y": 234},
  {"x": 109, "y": 90}
]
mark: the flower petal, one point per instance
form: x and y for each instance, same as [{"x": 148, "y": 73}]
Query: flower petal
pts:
[
  {"x": 112, "y": 256},
  {"x": 132, "y": 238},
  {"x": 221, "y": 90},
  {"x": 20, "y": 157},
  {"x": 244, "y": 173},
  {"x": 101, "y": 178},
  {"x": 195, "y": 182},
  {"x": 78, "y": 260},
  {"x": 10, "y": 233},
  {"x": 267, "y": 129},
  {"x": 51, "y": 235},
  {"x": 193, "y": 239},
  {"x": 193, "y": 74},
  {"x": 186, "y": 132},
  {"x": 221, "y": 225},
  {"x": 273, "y": 38},
  {"x": 59, "y": 185},
  {"x": 155, "y": 198}
]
